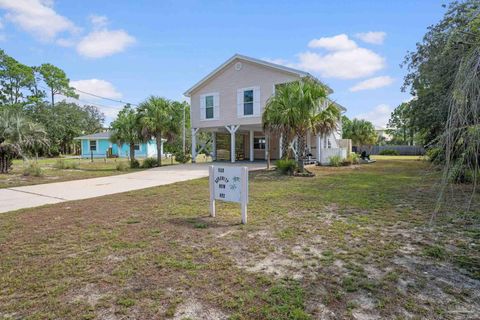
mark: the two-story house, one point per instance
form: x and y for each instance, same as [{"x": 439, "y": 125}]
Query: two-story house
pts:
[{"x": 229, "y": 102}]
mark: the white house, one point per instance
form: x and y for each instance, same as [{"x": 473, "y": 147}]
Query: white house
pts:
[{"x": 229, "y": 102}]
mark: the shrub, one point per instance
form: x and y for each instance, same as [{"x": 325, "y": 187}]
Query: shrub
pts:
[
  {"x": 389, "y": 152},
  {"x": 122, "y": 166},
  {"x": 335, "y": 161},
  {"x": 435, "y": 155},
  {"x": 32, "y": 169},
  {"x": 286, "y": 166},
  {"x": 182, "y": 157},
  {"x": 354, "y": 158},
  {"x": 134, "y": 164},
  {"x": 62, "y": 164},
  {"x": 149, "y": 163},
  {"x": 346, "y": 162}
]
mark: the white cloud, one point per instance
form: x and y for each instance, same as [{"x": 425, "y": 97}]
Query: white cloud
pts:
[
  {"x": 345, "y": 64},
  {"x": 335, "y": 43},
  {"x": 372, "y": 83},
  {"x": 98, "y": 87},
  {"x": 98, "y": 21},
  {"x": 379, "y": 115},
  {"x": 374, "y": 37},
  {"x": 37, "y": 17},
  {"x": 103, "y": 43}
]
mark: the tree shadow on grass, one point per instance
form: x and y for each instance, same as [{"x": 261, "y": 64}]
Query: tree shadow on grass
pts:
[{"x": 202, "y": 222}]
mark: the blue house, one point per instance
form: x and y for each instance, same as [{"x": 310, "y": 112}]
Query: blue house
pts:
[{"x": 99, "y": 145}]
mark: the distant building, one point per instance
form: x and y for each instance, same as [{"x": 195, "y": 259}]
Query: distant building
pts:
[
  {"x": 99, "y": 145},
  {"x": 382, "y": 132}
]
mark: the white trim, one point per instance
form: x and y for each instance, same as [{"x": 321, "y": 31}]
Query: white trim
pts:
[
  {"x": 216, "y": 106},
  {"x": 296, "y": 72},
  {"x": 255, "y": 102}
]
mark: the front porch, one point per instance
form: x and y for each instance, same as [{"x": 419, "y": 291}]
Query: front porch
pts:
[{"x": 250, "y": 143}]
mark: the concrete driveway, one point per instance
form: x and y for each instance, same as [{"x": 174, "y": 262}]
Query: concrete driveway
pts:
[{"x": 41, "y": 194}]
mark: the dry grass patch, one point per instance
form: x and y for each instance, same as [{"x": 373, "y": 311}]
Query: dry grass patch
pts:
[{"x": 349, "y": 243}]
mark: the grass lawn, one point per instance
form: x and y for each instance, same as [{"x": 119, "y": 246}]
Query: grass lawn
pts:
[
  {"x": 84, "y": 169},
  {"x": 352, "y": 242}
]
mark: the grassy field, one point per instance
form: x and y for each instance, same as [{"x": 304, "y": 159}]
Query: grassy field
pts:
[
  {"x": 83, "y": 169},
  {"x": 352, "y": 242}
]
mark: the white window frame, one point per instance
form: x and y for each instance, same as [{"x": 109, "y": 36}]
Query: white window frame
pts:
[
  {"x": 90, "y": 146},
  {"x": 256, "y": 102},
  {"x": 216, "y": 106}
]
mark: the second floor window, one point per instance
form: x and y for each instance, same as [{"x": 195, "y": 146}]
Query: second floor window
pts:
[
  {"x": 209, "y": 107},
  {"x": 248, "y": 102},
  {"x": 93, "y": 145}
]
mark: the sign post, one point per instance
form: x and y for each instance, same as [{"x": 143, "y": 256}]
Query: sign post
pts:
[{"x": 229, "y": 184}]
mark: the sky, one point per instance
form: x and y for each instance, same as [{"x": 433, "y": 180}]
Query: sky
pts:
[{"x": 129, "y": 50}]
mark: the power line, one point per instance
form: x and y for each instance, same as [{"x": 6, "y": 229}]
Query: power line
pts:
[{"x": 114, "y": 100}]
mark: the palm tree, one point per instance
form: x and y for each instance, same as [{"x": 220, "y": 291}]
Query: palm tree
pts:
[
  {"x": 290, "y": 112},
  {"x": 19, "y": 136},
  {"x": 160, "y": 118},
  {"x": 361, "y": 132},
  {"x": 325, "y": 121},
  {"x": 126, "y": 130}
]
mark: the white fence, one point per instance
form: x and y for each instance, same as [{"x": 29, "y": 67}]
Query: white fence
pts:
[{"x": 325, "y": 154}]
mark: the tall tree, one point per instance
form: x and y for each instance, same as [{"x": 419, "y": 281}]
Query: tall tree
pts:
[
  {"x": 57, "y": 81},
  {"x": 160, "y": 118},
  {"x": 19, "y": 136},
  {"x": 15, "y": 79},
  {"x": 126, "y": 129},
  {"x": 401, "y": 123}
]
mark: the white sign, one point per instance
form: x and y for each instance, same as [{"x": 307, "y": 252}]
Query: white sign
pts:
[{"x": 229, "y": 184}]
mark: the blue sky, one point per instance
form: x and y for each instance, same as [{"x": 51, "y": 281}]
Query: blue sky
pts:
[{"x": 128, "y": 50}]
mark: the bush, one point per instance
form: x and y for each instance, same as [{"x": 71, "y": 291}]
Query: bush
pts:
[
  {"x": 122, "y": 166},
  {"x": 182, "y": 157},
  {"x": 354, "y": 158},
  {"x": 335, "y": 161},
  {"x": 347, "y": 162},
  {"x": 389, "y": 152},
  {"x": 62, "y": 164},
  {"x": 149, "y": 163},
  {"x": 32, "y": 169},
  {"x": 435, "y": 155},
  {"x": 134, "y": 164},
  {"x": 286, "y": 166}
]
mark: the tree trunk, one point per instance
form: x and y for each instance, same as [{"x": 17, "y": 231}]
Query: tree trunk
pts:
[
  {"x": 132, "y": 154},
  {"x": 268, "y": 151},
  {"x": 159, "y": 148},
  {"x": 53, "y": 98},
  {"x": 301, "y": 150},
  {"x": 285, "y": 144}
]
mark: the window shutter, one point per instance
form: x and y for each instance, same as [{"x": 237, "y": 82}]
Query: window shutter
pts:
[
  {"x": 256, "y": 101},
  {"x": 240, "y": 102},
  {"x": 216, "y": 106},
  {"x": 202, "y": 107}
]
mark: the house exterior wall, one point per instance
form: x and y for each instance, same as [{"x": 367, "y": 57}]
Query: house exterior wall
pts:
[
  {"x": 103, "y": 146},
  {"x": 226, "y": 83}
]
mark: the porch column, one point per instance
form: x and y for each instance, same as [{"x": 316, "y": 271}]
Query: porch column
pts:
[
  {"x": 280, "y": 144},
  {"x": 251, "y": 144},
  {"x": 319, "y": 145},
  {"x": 309, "y": 141},
  {"x": 214, "y": 146},
  {"x": 232, "y": 129},
  {"x": 194, "y": 144}
]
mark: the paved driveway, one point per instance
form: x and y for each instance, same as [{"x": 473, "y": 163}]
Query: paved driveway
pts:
[{"x": 41, "y": 194}]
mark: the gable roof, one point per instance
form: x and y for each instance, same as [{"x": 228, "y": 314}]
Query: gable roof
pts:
[
  {"x": 99, "y": 135},
  {"x": 297, "y": 72}
]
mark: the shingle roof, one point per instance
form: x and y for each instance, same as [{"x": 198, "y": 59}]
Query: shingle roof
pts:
[
  {"x": 299, "y": 73},
  {"x": 99, "y": 135}
]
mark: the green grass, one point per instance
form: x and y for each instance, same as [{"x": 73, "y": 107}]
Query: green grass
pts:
[{"x": 350, "y": 239}]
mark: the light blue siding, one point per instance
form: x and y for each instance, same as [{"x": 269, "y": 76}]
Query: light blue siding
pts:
[{"x": 103, "y": 146}]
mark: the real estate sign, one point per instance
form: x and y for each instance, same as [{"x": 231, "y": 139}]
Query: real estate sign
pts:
[{"x": 229, "y": 184}]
